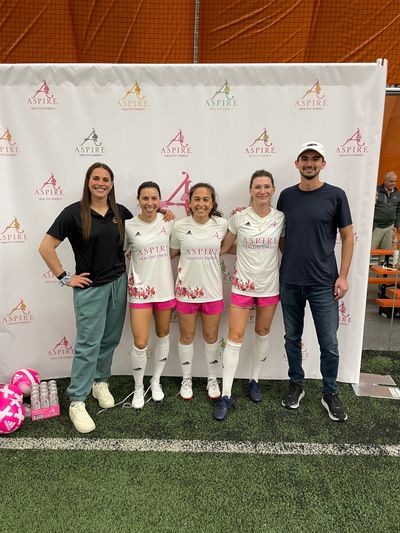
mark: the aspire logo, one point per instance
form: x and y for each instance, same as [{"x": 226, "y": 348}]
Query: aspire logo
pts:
[
  {"x": 261, "y": 146},
  {"x": 344, "y": 315},
  {"x": 13, "y": 233},
  {"x": 42, "y": 99},
  {"x": 313, "y": 99},
  {"x": 61, "y": 350},
  {"x": 49, "y": 190},
  {"x": 353, "y": 146},
  {"x": 20, "y": 314},
  {"x": 91, "y": 145},
  {"x": 222, "y": 99},
  {"x": 177, "y": 147},
  {"x": 8, "y": 145},
  {"x": 180, "y": 196},
  {"x": 133, "y": 99}
]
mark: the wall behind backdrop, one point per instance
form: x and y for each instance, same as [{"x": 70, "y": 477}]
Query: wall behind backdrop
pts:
[{"x": 176, "y": 125}]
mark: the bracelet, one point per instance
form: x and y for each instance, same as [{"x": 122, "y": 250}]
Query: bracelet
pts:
[
  {"x": 61, "y": 275},
  {"x": 65, "y": 279}
]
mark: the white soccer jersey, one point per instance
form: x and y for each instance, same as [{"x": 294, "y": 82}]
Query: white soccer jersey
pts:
[
  {"x": 257, "y": 264},
  {"x": 150, "y": 275},
  {"x": 199, "y": 276}
]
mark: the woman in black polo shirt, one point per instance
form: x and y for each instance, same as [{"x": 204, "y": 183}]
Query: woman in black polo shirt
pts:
[{"x": 95, "y": 228}]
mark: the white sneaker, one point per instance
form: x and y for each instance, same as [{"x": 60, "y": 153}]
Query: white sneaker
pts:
[
  {"x": 156, "y": 391},
  {"x": 80, "y": 418},
  {"x": 186, "y": 391},
  {"x": 213, "y": 389},
  {"x": 138, "y": 398},
  {"x": 103, "y": 395}
]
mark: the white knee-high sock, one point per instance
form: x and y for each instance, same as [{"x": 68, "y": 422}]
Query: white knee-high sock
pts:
[
  {"x": 260, "y": 354},
  {"x": 185, "y": 353},
  {"x": 230, "y": 360},
  {"x": 138, "y": 360},
  {"x": 160, "y": 356},
  {"x": 212, "y": 357}
]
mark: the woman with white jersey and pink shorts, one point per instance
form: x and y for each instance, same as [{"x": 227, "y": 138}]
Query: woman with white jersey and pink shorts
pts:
[
  {"x": 256, "y": 230},
  {"x": 150, "y": 288},
  {"x": 198, "y": 285}
]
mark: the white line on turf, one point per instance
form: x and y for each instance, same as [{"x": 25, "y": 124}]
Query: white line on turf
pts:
[{"x": 199, "y": 446}]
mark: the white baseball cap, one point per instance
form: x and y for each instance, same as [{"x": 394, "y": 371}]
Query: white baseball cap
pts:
[{"x": 311, "y": 145}]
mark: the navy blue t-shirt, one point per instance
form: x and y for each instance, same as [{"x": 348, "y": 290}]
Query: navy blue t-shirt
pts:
[
  {"x": 312, "y": 220},
  {"x": 102, "y": 255}
]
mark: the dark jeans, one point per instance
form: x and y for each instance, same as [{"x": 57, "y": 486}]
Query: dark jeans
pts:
[{"x": 325, "y": 314}]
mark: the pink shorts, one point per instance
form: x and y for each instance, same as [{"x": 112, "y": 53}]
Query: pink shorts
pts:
[
  {"x": 253, "y": 301},
  {"x": 157, "y": 306},
  {"x": 207, "y": 308}
]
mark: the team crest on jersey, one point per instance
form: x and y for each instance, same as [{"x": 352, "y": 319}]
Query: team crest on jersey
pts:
[{"x": 313, "y": 98}]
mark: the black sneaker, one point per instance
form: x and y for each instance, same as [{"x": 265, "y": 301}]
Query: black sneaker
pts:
[
  {"x": 335, "y": 408},
  {"x": 224, "y": 405},
  {"x": 293, "y": 396},
  {"x": 255, "y": 391}
]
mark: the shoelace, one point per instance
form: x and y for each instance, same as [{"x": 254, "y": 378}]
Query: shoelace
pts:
[
  {"x": 185, "y": 385},
  {"x": 125, "y": 404}
]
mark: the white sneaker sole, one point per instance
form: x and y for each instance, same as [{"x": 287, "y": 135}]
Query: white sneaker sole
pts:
[{"x": 332, "y": 416}]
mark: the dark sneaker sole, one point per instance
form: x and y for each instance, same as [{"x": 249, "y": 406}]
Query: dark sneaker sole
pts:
[
  {"x": 294, "y": 405},
  {"x": 331, "y": 415}
]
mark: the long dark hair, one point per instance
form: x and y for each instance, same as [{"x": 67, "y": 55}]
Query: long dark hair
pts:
[
  {"x": 214, "y": 210},
  {"x": 86, "y": 199}
]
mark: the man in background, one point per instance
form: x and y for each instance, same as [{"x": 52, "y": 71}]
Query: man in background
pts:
[{"x": 387, "y": 212}]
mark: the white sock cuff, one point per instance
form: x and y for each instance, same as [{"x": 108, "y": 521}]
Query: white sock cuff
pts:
[
  {"x": 162, "y": 341},
  {"x": 234, "y": 344},
  {"x": 138, "y": 352},
  {"x": 185, "y": 347}
]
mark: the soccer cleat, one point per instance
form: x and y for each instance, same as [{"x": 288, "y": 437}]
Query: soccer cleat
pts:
[
  {"x": 293, "y": 396},
  {"x": 156, "y": 391},
  {"x": 186, "y": 390},
  {"x": 223, "y": 407},
  {"x": 138, "y": 398},
  {"x": 213, "y": 389},
  {"x": 80, "y": 418},
  {"x": 255, "y": 391},
  {"x": 102, "y": 394},
  {"x": 335, "y": 408}
]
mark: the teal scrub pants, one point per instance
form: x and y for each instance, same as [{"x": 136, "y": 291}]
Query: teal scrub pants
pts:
[{"x": 100, "y": 314}]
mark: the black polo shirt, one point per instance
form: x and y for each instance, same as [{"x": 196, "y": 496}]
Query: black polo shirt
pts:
[{"x": 102, "y": 255}]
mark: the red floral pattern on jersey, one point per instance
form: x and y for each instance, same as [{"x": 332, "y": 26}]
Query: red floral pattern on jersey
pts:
[
  {"x": 188, "y": 292},
  {"x": 143, "y": 293},
  {"x": 243, "y": 285}
]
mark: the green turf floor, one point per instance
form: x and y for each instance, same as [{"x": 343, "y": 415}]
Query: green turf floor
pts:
[
  {"x": 371, "y": 421},
  {"x": 113, "y": 491},
  {"x": 168, "y": 492}
]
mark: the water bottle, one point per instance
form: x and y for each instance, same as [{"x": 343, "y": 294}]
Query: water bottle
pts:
[{"x": 395, "y": 248}]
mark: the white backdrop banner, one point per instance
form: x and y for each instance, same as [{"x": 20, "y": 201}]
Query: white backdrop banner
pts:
[{"x": 177, "y": 125}]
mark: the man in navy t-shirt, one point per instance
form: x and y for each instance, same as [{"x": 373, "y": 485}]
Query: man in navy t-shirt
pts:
[{"x": 314, "y": 212}]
